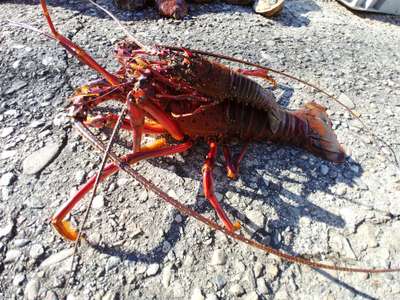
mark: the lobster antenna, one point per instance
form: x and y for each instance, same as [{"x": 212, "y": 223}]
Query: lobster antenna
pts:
[
  {"x": 135, "y": 40},
  {"x": 85, "y": 132},
  {"x": 96, "y": 183},
  {"x": 332, "y": 97},
  {"x": 29, "y": 27}
]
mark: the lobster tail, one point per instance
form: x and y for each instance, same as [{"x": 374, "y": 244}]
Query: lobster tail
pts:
[{"x": 319, "y": 137}]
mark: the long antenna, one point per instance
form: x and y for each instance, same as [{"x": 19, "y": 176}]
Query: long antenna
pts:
[
  {"x": 96, "y": 183},
  {"x": 29, "y": 27},
  {"x": 135, "y": 40}
]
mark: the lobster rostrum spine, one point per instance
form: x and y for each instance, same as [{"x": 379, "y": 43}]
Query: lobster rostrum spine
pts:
[{"x": 186, "y": 97}]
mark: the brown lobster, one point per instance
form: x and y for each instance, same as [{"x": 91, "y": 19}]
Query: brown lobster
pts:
[{"x": 179, "y": 94}]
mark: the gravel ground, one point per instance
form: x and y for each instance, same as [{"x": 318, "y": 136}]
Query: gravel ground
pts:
[{"x": 342, "y": 214}]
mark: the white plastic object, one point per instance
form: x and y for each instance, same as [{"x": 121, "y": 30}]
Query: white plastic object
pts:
[{"x": 378, "y": 6}]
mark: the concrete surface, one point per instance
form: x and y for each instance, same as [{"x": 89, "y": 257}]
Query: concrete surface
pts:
[{"x": 341, "y": 214}]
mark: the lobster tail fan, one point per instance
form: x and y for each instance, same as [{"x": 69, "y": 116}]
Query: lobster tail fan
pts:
[{"x": 320, "y": 139}]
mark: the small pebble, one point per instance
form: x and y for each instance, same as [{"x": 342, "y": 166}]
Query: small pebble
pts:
[
  {"x": 211, "y": 297},
  {"x": 152, "y": 269},
  {"x": 57, "y": 257},
  {"x": 189, "y": 259},
  {"x": 258, "y": 269},
  {"x": 324, "y": 170},
  {"x": 355, "y": 168},
  {"x": 251, "y": 278},
  {"x": 80, "y": 176},
  {"x": 272, "y": 271},
  {"x": 122, "y": 181},
  {"x": 178, "y": 218},
  {"x": 61, "y": 119},
  {"x": 7, "y": 230},
  {"x": 36, "y": 251},
  {"x": 262, "y": 286},
  {"x": 5, "y": 132},
  {"x": 109, "y": 296},
  {"x": 16, "y": 64},
  {"x": 113, "y": 186},
  {"x": 7, "y": 179},
  {"x": 47, "y": 60},
  {"x": 220, "y": 282},
  {"x": 172, "y": 194},
  {"x": 36, "y": 123},
  {"x": 71, "y": 297},
  {"x": 251, "y": 296},
  {"x": 16, "y": 86},
  {"x": 166, "y": 246},
  {"x": 50, "y": 295},
  {"x": 135, "y": 231},
  {"x": 179, "y": 291},
  {"x": 219, "y": 196},
  {"x": 236, "y": 290},
  {"x": 143, "y": 196},
  {"x": 197, "y": 294},
  {"x": 141, "y": 269},
  {"x": 239, "y": 267},
  {"x": 12, "y": 255},
  {"x": 5, "y": 193},
  {"x": 21, "y": 242},
  {"x": 100, "y": 272},
  {"x": 218, "y": 257},
  {"x": 256, "y": 217},
  {"x": 18, "y": 279},
  {"x": 341, "y": 190},
  {"x": 166, "y": 277},
  {"x": 98, "y": 202},
  {"x": 8, "y": 154},
  {"x": 112, "y": 262},
  {"x": 32, "y": 289},
  {"x": 38, "y": 160}
]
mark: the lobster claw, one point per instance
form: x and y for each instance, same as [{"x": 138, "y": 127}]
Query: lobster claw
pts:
[
  {"x": 236, "y": 225},
  {"x": 65, "y": 229}
]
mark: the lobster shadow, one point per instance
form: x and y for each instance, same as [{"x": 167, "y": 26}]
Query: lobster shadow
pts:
[
  {"x": 294, "y": 13},
  {"x": 278, "y": 165},
  {"x": 278, "y": 178}
]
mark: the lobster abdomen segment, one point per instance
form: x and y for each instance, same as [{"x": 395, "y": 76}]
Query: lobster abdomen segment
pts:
[{"x": 221, "y": 83}]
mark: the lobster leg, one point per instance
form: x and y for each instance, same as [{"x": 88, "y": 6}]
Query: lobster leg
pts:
[
  {"x": 260, "y": 73},
  {"x": 109, "y": 120},
  {"x": 136, "y": 119},
  {"x": 232, "y": 168},
  {"x": 163, "y": 119},
  {"x": 77, "y": 51},
  {"x": 152, "y": 150},
  {"x": 91, "y": 95},
  {"x": 208, "y": 187}
]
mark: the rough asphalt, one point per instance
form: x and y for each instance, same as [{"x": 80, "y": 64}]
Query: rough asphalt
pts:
[{"x": 340, "y": 214}]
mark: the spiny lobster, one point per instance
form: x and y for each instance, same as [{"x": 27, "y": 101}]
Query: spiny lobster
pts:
[{"x": 180, "y": 94}]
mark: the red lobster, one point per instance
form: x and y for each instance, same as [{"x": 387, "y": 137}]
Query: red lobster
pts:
[{"x": 180, "y": 94}]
